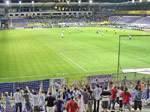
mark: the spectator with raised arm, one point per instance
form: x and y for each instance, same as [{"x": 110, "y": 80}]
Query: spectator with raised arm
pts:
[
  {"x": 138, "y": 99},
  {"x": 59, "y": 104},
  {"x": 120, "y": 97},
  {"x": 26, "y": 96},
  {"x": 7, "y": 99},
  {"x": 126, "y": 99},
  {"x": 96, "y": 94},
  {"x": 17, "y": 97},
  {"x": 72, "y": 106},
  {"x": 147, "y": 83},
  {"x": 91, "y": 98},
  {"x": 42, "y": 97},
  {"x": 50, "y": 102},
  {"x": 105, "y": 98},
  {"x": 22, "y": 100},
  {"x": 113, "y": 97},
  {"x": 86, "y": 97},
  {"x": 35, "y": 98}
]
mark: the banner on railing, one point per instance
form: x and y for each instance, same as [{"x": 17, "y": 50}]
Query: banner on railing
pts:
[
  {"x": 57, "y": 83},
  {"x": 100, "y": 78}
]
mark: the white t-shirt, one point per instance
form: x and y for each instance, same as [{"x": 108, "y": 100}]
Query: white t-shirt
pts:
[
  {"x": 81, "y": 105},
  {"x": 42, "y": 99},
  {"x": 97, "y": 92},
  {"x": 17, "y": 97},
  {"x": 119, "y": 92},
  {"x": 76, "y": 93},
  {"x": 35, "y": 100}
]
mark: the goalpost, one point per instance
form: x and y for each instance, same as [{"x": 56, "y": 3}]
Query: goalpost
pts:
[{"x": 133, "y": 54}]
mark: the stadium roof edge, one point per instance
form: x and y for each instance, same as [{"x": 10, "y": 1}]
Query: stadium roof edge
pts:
[
  {"x": 38, "y": 4},
  {"x": 41, "y": 4}
]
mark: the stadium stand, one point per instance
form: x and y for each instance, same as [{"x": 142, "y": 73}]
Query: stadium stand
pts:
[
  {"x": 145, "y": 20},
  {"x": 113, "y": 19},
  {"x": 128, "y": 19},
  {"x": 39, "y": 93}
]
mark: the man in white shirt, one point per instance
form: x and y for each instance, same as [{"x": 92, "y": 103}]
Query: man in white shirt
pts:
[
  {"x": 41, "y": 98},
  {"x": 35, "y": 100},
  {"x": 76, "y": 93},
  {"x": 96, "y": 94},
  {"x": 17, "y": 97}
]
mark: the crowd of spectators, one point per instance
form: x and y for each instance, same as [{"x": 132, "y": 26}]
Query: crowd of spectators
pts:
[
  {"x": 66, "y": 19},
  {"x": 77, "y": 98}
]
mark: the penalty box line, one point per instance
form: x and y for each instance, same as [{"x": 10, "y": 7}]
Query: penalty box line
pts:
[{"x": 69, "y": 59}]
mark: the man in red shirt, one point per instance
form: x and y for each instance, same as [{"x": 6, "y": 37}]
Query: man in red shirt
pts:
[
  {"x": 126, "y": 99},
  {"x": 113, "y": 97},
  {"x": 72, "y": 106}
]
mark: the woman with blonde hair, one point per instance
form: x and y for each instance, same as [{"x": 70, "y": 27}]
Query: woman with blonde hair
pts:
[{"x": 7, "y": 101}]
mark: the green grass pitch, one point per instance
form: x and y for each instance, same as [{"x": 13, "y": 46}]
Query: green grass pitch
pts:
[{"x": 34, "y": 54}]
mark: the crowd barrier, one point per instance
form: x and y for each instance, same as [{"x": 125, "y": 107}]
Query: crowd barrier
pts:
[
  {"x": 35, "y": 85},
  {"x": 11, "y": 87}
]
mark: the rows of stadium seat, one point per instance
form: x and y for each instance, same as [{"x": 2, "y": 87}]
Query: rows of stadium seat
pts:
[
  {"x": 113, "y": 19},
  {"x": 65, "y": 19},
  {"x": 145, "y": 20},
  {"x": 129, "y": 19}
]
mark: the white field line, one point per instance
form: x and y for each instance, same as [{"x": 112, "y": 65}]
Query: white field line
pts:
[
  {"x": 115, "y": 49},
  {"x": 61, "y": 74},
  {"x": 55, "y": 74},
  {"x": 73, "y": 62}
]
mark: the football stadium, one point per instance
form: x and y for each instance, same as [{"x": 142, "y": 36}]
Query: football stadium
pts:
[{"x": 74, "y": 55}]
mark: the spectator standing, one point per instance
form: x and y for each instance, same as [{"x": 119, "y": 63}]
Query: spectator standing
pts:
[
  {"x": 138, "y": 99},
  {"x": 91, "y": 98},
  {"x": 41, "y": 98},
  {"x": 120, "y": 97},
  {"x": 59, "y": 104},
  {"x": 67, "y": 95},
  {"x": 22, "y": 100},
  {"x": 50, "y": 102},
  {"x": 113, "y": 97},
  {"x": 105, "y": 99},
  {"x": 96, "y": 94},
  {"x": 80, "y": 103},
  {"x": 147, "y": 89},
  {"x": 26, "y": 96},
  {"x": 35, "y": 98},
  {"x": 76, "y": 93},
  {"x": 7, "y": 102},
  {"x": 86, "y": 97},
  {"x": 72, "y": 106},
  {"x": 17, "y": 97},
  {"x": 126, "y": 99}
]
